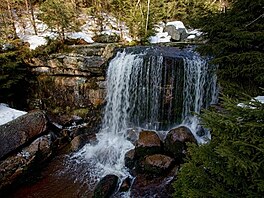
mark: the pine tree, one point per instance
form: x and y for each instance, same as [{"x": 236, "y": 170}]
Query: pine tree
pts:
[
  {"x": 232, "y": 164},
  {"x": 235, "y": 41},
  {"x": 59, "y": 15}
]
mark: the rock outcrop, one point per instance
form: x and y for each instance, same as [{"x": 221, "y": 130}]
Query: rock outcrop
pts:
[{"x": 72, "y": 83}]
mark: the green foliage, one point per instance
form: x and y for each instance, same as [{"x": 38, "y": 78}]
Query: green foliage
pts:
[
  {"x": 189, "y": 10},
  {"x": 13, "y": 74},
  {"x": 53, "y": 46},
  {"x": 232, "y": 164},
  {"x": 136, "y": 16},
  {"x": 235, "y": 40},
  {"x": 59, "y": 15}
]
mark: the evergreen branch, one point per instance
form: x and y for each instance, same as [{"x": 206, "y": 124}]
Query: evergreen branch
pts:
[
  {"x": 262, "y": 15},
  {"x": 249, "y": 145}
]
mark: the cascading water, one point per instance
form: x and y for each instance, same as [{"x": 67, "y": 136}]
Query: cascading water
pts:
[{"x": 151, "y": 88}]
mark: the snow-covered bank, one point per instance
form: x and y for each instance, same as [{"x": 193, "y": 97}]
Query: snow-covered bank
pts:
[{"x": 8, "y": 114}]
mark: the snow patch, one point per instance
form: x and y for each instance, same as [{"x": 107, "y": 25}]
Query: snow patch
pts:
[
  {"x": 177, "y": 24},
  {"x": 80, "y": 35},
  {"x": 191, "y": 37},
  {"x": 258, "y": 98},
  {"x": 162, "y": 37},
  {"x": 34, "y": 41},
  {"x": 8, "y": 114}
]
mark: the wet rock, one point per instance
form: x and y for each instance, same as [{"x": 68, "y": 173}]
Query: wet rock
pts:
[
  {"x": 130, "y": 159},
  {"x": 106, "y": 187},
  {"x": 80, "y": 140},
  {"x": 156, "y": 164},
  {"x": 175, "y": 141},
  {"x": 125, "y": 186},
  {"x": 132, "y": 135},
  {"x": 148, "y": 186},
  {"x": 147, "y": 143},
  {"x": 21, "y": 130},
  {"x": 42, "y": 147},
  {"x": 201, "y": 131},
  {"x": 17, "y": 164}
]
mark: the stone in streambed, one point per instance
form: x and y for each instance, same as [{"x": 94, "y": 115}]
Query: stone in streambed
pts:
[
  {"x": 156, "y": 164},
  {"x": 148, "y": 143},
  {"x": 175, "y": 141},
  {"x": 125, "y": 186},
  {"x": 130, "y": 159},
  {"x": 106, "y": 187},
  {"x": 80, "y": 140}
]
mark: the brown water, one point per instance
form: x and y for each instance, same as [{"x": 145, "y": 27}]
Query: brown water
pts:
[{"x": 61, "y": 178}]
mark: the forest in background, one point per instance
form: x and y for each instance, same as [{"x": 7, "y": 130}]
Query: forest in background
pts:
[
  {"x": 140, "y": 16},
  {"x": 232, "y": 164}
]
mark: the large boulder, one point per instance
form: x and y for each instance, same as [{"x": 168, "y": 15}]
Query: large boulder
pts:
[
  {"x": 16, "y": 133},
  {"x": 145, "y": 185},
  {"x": 106, "y": 187},
  {"x": 148, "y": 143},
  {"x": 18, "y": 164},
  {"x": 156, "y": 164},
  {"x": 175, "y": 141},
  {"x": 176, "y": 30},
  {"x": 173, "y": 32}
]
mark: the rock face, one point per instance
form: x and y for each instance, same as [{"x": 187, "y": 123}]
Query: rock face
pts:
[
  {"x": 147, "y": 143},
  {"x": 21, "y": 130},
  {"x": 175, "y": 141},
  {"x": 106, "y": 187},
  {"x": 72, "y": 83}
]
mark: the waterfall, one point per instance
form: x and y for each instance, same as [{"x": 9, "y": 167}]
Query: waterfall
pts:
[{"x": 152, "y": 88}]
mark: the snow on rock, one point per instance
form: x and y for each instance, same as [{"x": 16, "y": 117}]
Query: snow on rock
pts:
[
  {"x": 80, "y": 35},
  {"x": 162, "y": 37},
  {"x": 34, "y": 41},
  {"x": 260, "y": 99},
  {"x": 191, "y": 37},
  {"x": 8, "y": 114},
  {"x": 195, "y": 32},
  {"x": 177, "y": 24}
]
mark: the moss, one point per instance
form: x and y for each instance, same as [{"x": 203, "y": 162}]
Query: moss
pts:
[{"x": 82, "y": 112}]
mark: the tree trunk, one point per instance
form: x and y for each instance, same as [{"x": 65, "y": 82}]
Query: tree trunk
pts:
[
  {"x": 32, "y": 17},
  {"x": 147, "y": 20},
  {"x": 11, "y": 16}
]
